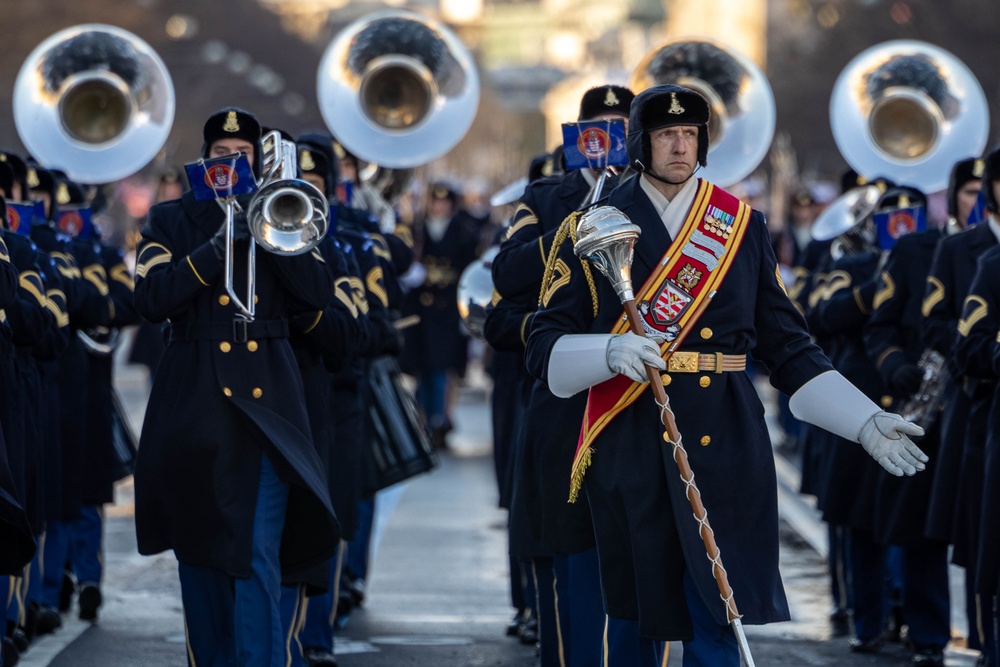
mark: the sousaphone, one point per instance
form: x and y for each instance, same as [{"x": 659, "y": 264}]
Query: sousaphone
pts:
[
  {"x": 95, "y": 101},
  {"x": 742, "y": 119},
  {"x": 397, "y": 89},
  {"x": 908, "y": 111}
]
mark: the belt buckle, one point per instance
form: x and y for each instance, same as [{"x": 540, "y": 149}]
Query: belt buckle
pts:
[
  {"x": 240, "y": 332},
  {"x": 683, "y": 362}
]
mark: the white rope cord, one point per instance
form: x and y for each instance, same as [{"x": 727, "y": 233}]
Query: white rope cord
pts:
[{"x": 703, "y": 525}]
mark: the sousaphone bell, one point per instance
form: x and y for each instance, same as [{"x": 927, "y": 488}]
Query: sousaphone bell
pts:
[
  {"x": 95, "y": 101},
  {"x": 907, "y": 110},
  {"x": 742, "y": 119},
  {"x": 397, "y": 89}
]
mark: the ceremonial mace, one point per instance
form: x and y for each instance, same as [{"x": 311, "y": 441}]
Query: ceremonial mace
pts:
[{"x": 606, "y": 238}]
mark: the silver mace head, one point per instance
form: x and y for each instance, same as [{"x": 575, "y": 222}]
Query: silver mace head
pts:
[{"x": 605, "y": 237}]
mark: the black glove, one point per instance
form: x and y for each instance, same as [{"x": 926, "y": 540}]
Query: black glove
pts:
[
  {"x": 906, "y": 379},
  {"x": 241, "y": 232},
  {"x": 393, "y": 343}
]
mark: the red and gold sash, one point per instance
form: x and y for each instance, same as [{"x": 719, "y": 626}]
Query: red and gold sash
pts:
[{"x": 692, "y": 268}]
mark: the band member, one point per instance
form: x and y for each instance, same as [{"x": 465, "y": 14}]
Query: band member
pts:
[
  {"x": 948, "y": 284},
  {"x": 842, "y": 305},
  {"x": 436, "y": 347},
  {"x": 653, "y": 562},
  {"x": 893, "y": 341},
  {"x": 227, "y": 475},
  {"x": 559, "y": 535},
  {"x": 976, "y": 358}
]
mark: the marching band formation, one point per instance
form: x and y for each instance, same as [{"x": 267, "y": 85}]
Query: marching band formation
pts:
[{"x": 629, "y": 309}]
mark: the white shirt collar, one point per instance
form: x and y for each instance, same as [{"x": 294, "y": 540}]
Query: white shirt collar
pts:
[{"x": 671, "y": 212}]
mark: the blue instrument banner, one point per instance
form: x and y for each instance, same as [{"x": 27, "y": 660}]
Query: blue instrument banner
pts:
[
  {"x": 19, "y": 217},
  {"x": 891, "y": 225},
  {"x": 978, "y": 213},
  {"x": 75, "y": 221},
  {"x": 594, "y": 144},
  {"x": 221, "y": 177}
]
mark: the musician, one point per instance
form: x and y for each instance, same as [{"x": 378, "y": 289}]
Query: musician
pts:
[
  {"x": 436, "y": 347},
  {"x": 653, "y": 564},
  {"x": 975, "y": 356},
  {"x": 227, "y": 475},
  {"x": 948, "y": 283},
  {"x": 893, "y": 341},
  {"x": 558, "y": 536},
  {"x": 84, "y": 282}
]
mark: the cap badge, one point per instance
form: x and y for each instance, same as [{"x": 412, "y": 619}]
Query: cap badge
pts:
[
  {"x": 62, "y": 194},
  {"x": 611, "y": 100},
  {"x": 440, "y": 192},
  {"x": 339, "y": 151},
  {"x": 547, "y": 167},
  {"x": 306, "y": 161},
  {"x": 231, "y": 125},
  {"x": 904, "y": 201},
  {"x": 978, "y": 167},
  {"x": 32, "y": 178},
  {"x": 675, "y": 106}
]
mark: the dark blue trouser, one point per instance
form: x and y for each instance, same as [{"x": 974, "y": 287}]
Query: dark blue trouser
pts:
[
  {"x": 57, "y": 540},
  {"x": 549, "y": 632},
  {"x": 318, "y": 627},
  {"x": 713, "y": 645},
  {"x": 839, "y": 562},
  {"x": 926, "y": 594},
  {"x": 581, "y": 607},
  {"x": 236, "y": 621},
  {"x": 868, "y": 581},
  {"x": 432, "y": 390},
  {"x": 356, "y": 563},
  {"x": 85, "y": 543}
]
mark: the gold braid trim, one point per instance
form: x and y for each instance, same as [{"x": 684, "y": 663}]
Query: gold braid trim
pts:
[
  {"x": 576, "y": 478},
  {"x": 566, "y": 230}
]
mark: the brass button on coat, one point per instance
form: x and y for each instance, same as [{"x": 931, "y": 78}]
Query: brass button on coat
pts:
[
  {"x": 223, "y": 299},
  {"x": 257, "y": 392},
  {"x": 252, "y": 345},
  {"x": 225, "y": 346},
  {"x": 705, "y": 441},
  {"x": 666, "y": 379},
  {"x": 706, "y": 333},
  {"x": 227, "y": 391},
  {"x": 704, "y": 381}
]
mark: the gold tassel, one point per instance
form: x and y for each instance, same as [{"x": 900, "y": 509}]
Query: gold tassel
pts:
[{"x": 579, "y": 469}]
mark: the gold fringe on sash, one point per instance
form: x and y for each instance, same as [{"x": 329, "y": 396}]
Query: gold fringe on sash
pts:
[{"x": 580, "y": 466}]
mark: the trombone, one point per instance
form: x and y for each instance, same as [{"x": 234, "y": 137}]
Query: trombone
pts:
[{"x": 286, "y": 216}]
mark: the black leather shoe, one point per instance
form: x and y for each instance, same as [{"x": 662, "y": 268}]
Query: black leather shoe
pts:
[
  {"x": 20, "y": 640},
  {"x": 929, "y": 657},
  {"x": 318, "y": 657},
  {"x": 356, "y": 587},
  {"x": 840, "y": 623},
  {"x": 514, "y": 625},
  {"x": 528, "y": 632},
  {"x": 67, "y": 591},
  {"x": 865, "y": 645},
  {"x": 10, "y": 653},
  {"x": 48, "y": 621},
  {"x": 90, "y": 600}
]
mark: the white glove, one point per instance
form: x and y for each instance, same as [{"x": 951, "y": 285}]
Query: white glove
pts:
[
  {"x": 884, "y": 437},
  {"x": 629, "y": 354}
]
